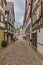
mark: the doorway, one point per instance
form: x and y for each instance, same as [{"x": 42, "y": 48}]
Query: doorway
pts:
[{"x": 34, "y": 39}]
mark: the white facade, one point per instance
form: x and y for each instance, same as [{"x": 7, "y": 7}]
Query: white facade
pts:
[{"x": 40, "y": 40}]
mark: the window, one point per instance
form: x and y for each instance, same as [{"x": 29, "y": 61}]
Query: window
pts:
[
  {"x": 34, "y": 18},
  {"x": 11, "y": 28},
  {"x": 5, "y": 19},
  {"x": 8, "y": 26},
  {"x": 2, "y": 18},
  {"x": 36, "y": 14},
  {"x": 5, "y": 15},
  {"x": 5, "y": 25}
]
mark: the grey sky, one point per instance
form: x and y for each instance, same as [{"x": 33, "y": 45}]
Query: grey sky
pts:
[{"x": 19, "y": 6}]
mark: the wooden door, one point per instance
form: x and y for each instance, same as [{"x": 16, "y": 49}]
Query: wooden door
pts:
[{"x": 34, "y": 39}]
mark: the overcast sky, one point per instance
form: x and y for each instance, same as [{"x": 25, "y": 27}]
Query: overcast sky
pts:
[{"x": 19, "y": 6}]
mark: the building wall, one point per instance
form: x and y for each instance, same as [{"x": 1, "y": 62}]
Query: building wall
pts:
[
  {"x": 9, "y": 21},
  {"x": 40, "y": 40},
  {"x": 37, "y": 24},
  {"x": 9, "y": 39},
  {"x": 2, "y": 25},
  {"x": 5, "y": 36},
  {"x": 1, "y": 36},
  {"x": 28, "y": 38},
  {"x": 27, "y": 19}
]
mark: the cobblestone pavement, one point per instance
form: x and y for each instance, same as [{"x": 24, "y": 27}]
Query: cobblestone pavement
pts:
[{"x": 20, "y": 53}]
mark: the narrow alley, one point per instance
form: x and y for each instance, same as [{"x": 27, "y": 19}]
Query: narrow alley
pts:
[
  {"x": 20, "y": 53},
  {"x": 21, "y": 32}
]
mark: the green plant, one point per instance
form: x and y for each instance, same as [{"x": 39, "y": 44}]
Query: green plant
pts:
[{"x": 4, "y": 43}]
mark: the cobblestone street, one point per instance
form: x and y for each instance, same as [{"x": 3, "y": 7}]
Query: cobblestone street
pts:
[{"x": 20, "y": 53}]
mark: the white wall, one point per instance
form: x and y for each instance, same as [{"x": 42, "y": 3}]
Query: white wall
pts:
[{"x": 40, "y": 40}]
